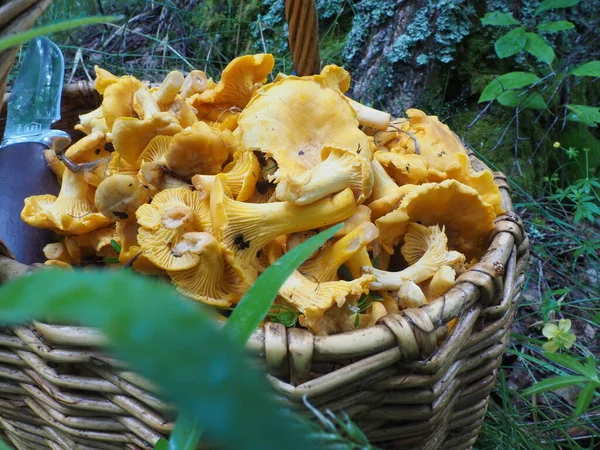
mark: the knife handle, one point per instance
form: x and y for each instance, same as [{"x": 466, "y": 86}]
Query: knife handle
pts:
[{"x": 23, "y": 173}]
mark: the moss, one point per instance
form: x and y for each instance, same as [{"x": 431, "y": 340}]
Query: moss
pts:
[{"x": 525, "y": 170}]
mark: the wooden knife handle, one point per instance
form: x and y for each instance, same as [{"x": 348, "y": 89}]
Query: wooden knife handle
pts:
[{"x": 23, "y": 173}]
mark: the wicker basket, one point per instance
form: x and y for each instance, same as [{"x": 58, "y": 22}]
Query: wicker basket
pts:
[{"x": 405, "y": 382}]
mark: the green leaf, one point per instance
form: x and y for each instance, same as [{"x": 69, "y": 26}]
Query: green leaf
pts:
[
  {"x": 115, "y": 245},
  {"x": 569, "y": 362},
  {"x": 555, "y": 4},
  {"x": 517, "y": 98},
  {"x": 538, "y": 47},
  {"x": 584, "y": 398},
  {"x": 589, "y": 69},
  {"x": 164, "y": 337},
  {"x": 4, "y": 445},
  {"x": 511, "y": 43},
  {"x": 255, "y": 305},
  {"x": 19, "y": 38},
  {"x": 590, "y": 115},
  {"x": 511, "y": 80},
  {"x": 161, "y": 444},
  {"x": 499, "y": 19},
  {"x": 186, "y": 434},
  {"x": 551, "y": 384},
  {"x": 558, "y": 25}
]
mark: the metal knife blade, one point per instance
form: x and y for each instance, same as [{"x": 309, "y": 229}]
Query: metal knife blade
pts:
[
  {"x": 32, "y": 108},
  {"x": 34, "y": 103}
]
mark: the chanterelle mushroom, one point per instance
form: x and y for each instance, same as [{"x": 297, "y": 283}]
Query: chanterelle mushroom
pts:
[
  {"x": 200, "y": 149},
  {"x": 468, "y": 220},
  {"x": 245, "y": 228},
  {"x": 164, "y": 222},
  {"x": 131, "y": 136},
  {"x": 291, "y": 121},
  {"x": 212, "y": 280},
  {"x": 71, "y": 212},
  {"x": 341, "y": 168},
  {"x": 242, "y": 175},
  {"x": 440, "y": 283},
  {"x": 386, "y": 194},
  {"x": 426, "y": 250},
  {"x": 118, "y": 99},
  {"x": 324, "y": 306},
  {"x": 119, "y": 196},
  {"x": 324, "y": 265}
]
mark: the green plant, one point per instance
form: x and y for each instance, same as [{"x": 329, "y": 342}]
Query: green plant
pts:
[
  {"x": 549, "y": 76},
  {"x": 588, "y": 375}
]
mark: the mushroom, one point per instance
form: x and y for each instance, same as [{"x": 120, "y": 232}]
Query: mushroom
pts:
[
  {"x": 89, "y": 120},
  {"x": 468, "y": 220},
  {"x": 292, "y": 119},
  {"x": 196, "y": 82},
  {"x": 324, "y": 265},
  {"x": 103, "y": 79},
  {"x": 130, "y": 136},
  {"x": 168, "y": 89},
  {"x": 375, "y": 312},
  {"x": 440, "y": 283},
  {"x": 358, "y": 260},
  {"x": 212, "y": 281},
  {"x": 339, "y": 169},
  {"x": 153, "y": 172},
  {"x": 119, "y": 196},
  {"x": 131, "y": 253},
  {"x": 71, "y": 212},
  {"x": 386, "y": 193},
  {"x": 164, "y": 222},
  {"x": 56, "y": 251},
  {"x": 55, "y": 164},
  {"x": 482, "y": 182},
  {"x": 409, "y": 168},
  {"x": 58, "y": 264},
  {"x": 245, "y": 228},
  {"x": 242, "y": 175},
  {"x": 200, "y": 149},
  {"x": 410, "y": 295},
  {"x": 238, "y": 82},
  {"x": 426, "y": 250},
  {"x": 324, "y": 306},
  {"x": 118, "y": 99},
  {"x": 427, "y": 136}
]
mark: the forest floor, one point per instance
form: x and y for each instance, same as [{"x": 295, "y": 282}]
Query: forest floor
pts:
[{"x": 562, "y": 278}]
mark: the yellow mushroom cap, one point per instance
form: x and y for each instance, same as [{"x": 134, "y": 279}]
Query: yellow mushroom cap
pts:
[
  {"x": 71, "y": 212},
  {"x": 237, "y": 82},
  {"x": 291, "y": 121},
  {"x": 323, "y": 266},
  {"x": 246, "y": 228},
  {"x": 212, "y": 280},
  {"x": 242, "y": 174},
  {"x": 314, "y": 300},
  {"x": 410, "y": 295},
  {"x": 340, "y": 169},
  {"x": 131, "y": 136},
  {"x": 155, "y": 151},
  {"x": 430, "y": 138},
  {"x": 103, "y": 79},
  {"x": 409, "y": 168},
  {"x": 482, "y": 182},
  {"x": 426, "y": 250},
  {"x": 200, "y": 149},
  {"x": 118, "y": 99},
  {"x": 119, "y": 196},
  {"x": 164, "y": 222},
  {"x": 440, "y": 283},
  {"x": 126, "y": 237},
  {"x": 58, "y": 264},
  {"x": 468, "y": 220}
]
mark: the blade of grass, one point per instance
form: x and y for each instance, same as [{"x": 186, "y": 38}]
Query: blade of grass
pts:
[
  {"x": 19, "y": 38},
  {"x": 255, "y": 305}
]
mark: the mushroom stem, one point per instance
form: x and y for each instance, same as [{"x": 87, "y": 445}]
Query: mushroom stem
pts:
[
  {"x": 169, "y": 88},
  {"x": 370, "y": 117},
  {"x": 358, "y": 260},
  {"x": 147, "y": 102}
]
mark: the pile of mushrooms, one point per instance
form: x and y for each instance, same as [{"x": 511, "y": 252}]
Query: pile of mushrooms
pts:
[{"x": 209, "y": 183}]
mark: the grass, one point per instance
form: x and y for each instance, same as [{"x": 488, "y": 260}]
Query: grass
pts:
[{"x": 561, "y": 280}]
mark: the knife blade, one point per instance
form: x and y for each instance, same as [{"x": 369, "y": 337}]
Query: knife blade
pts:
[{"x": 33, "y": 106}]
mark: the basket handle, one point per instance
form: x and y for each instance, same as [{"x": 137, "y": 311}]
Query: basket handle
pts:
[{"x": 301, "y": 16}]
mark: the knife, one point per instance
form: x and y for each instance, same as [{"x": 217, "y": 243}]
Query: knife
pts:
[{"x": 33, "y": 106}]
